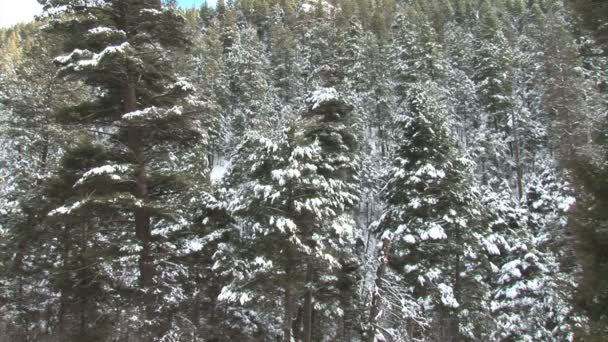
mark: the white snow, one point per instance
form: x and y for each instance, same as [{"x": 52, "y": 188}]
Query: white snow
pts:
[
  {"x": 436, "y": 232},
  {"x": 283, "y": 224},
  {"x": 63, "y": 210},
  {"x": 102, "y": 30},
  {"x": 139, "y": 113},
  {"x": 183, "y": 84},
  {"x": 90, "y": 59},
  {"x": 152, "y": 11},
  {"x": 566, "y": 203},
  {"x": 447, "y": 296},
  {"x": 283, "y": 175},
  {"x": 96, "y": 58},
  {"x": 409, "y": 238},
  {"x": 153, "y": 113},
  {"x": 430, "y": 171},
  {"x": 263, "y": 264},
  {"x": 219, "y": 170},
  {"x": 491, "y": 247},
  {"x": 322, "y": 95},
  {"x": 110, "y": 170}
]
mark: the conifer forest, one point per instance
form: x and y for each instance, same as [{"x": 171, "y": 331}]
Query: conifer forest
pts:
[{"x": 305, "y": 171}]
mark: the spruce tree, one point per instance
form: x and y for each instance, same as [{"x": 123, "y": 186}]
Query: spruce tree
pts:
[
  {"x": 33, "y": 145},
  {"x": 431, "y": 212},
  {"x": 493, "y": 71},
  {"x": 122, "y": 48},
  {"x": 532, "y": 289},
  {"x": 283, "y": 51},
  {"x": 293, "y": 202},
  {"x": 250, "y": 97}
]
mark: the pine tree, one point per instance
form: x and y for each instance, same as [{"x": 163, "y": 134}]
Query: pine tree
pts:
[
  {"x": 122, "y": 48},
  {"x": 431, "y": 211},
  {"x": 210, "y": 80},
  {"x": 532, "y": 289},
  {"x": 416, "y": 53},
  {"x": 206, "y": 14},
  {"x": 579, "y": 142},
  {"x": 462, "y": 90},
  {"x": 250, "y": 97},
  {"x": 293, "y": 201},
  {"x": 318, "y": 52},
  {"x": 271, "y": 244},
  {"x": 33, "y": 145},
  {"x": 82, "y": 281},
  {"x": 283, "y": 51},
  {"x": 493, "y": 77}
]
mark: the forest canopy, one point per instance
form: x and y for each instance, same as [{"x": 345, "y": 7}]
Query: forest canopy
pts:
[{"x": 305, "y": 170}]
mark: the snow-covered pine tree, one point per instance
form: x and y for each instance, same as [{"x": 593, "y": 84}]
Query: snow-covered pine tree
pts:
[
  {"x": 588, "y": 166},
  {"x": 145, "y": 113},
  {"x": 415, "y": 52},
  {"x": 494, "y": 87},
  {"x": 82, "y": 283},
  {"x": 461, "y": 88},
  {"x": 211, "y": 82},
  {"x": 318, "y": 50},
  {"x": 432, "y": 211},
  {"x": 283, "y": 49},
  {"x": 250, "y": 96},
  {"x": 293, "y": 199},
  {"x": 331, "y": 124},
  {"x": 556, "y": 109},
  {"x": 33, "y": 145},
  {"x": 533, "y": 285}
]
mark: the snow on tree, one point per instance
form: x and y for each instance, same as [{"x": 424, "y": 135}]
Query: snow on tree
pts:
[
  {"x": 431, "y": 211},
  {"x": 123, "y": 49},
  {"x": 459, "y": 120},
  {"x": 293, "y": 196},
  {"x": 532, "y": 289}
]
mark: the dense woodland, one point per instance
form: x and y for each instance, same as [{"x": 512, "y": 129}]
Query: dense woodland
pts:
[{"x": 301, "y": 170}]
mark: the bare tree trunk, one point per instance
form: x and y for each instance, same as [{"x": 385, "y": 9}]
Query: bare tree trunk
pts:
[
  {"x": 454, "y": 323},
  {"x": 381, "y": 137},
  {"x": 296, "y": 325},
  {"x": 83, "y": 297},
  {"x": 348, "y": 291},
  {"x": 517, "y": 152},
  {"x": 63, "y": 297},
  {"x": 307, "y": 334},
  {"x": 288, "y": 312},
  {"x": 377, "y": 298}
]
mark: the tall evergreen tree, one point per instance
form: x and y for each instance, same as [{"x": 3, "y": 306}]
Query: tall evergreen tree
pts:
[
  {"x": 283, "y": 51},
  {"x": 33, "y": 145},
  {"x": 251, "y": 105},
  {"x": 432, "y": 211},
  {"x": 493, "y": 72},
  {"x": 122, "y": 49},
  {"x": 294, "y": 202}
]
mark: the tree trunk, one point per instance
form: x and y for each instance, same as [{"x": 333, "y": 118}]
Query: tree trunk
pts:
[
  {"x": 296, "y": 325},
  {"x": 518, "y": 166},
  {"x": 454, "y": 321},
  {"x": 63, "y": 297},
  {"x": 377, "y": 298},
  {"x": 381, "y": 138},
  {"x": 288, "y": 312},
  {"x": 142, "y": 217},
  {"x": 307, "y": 334}
]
